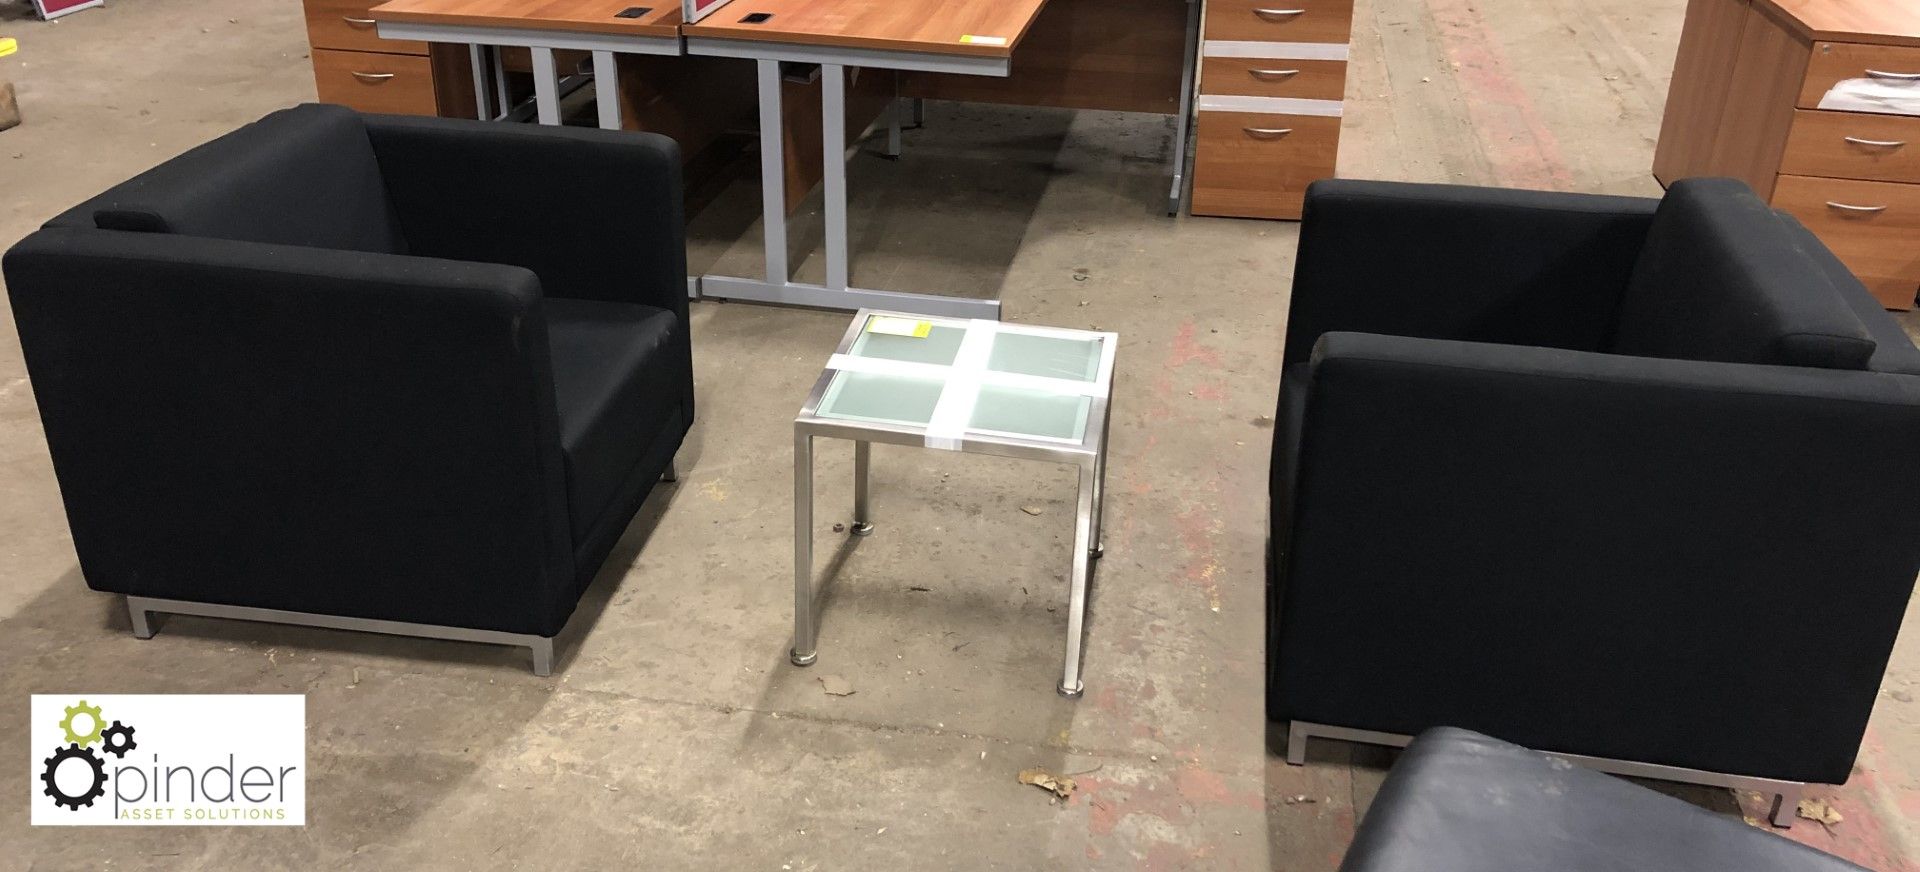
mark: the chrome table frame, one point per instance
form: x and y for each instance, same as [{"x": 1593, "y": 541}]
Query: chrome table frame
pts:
[
  {"x": 1786, "y": 794},
  {"x": 1089, "y": 456}
]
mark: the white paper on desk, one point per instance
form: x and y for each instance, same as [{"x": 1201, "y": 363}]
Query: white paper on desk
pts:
[{"x": 1884, "y": 96}]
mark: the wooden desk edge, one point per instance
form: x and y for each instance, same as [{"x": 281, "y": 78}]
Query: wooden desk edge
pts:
[
  {"x": 962, "y": 49},
  {"x": 664, "y": 24},
  {"x": 1812, "y": 34}
]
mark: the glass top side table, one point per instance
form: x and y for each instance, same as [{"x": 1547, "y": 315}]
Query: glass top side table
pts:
[{"x": 983, "y": 387}]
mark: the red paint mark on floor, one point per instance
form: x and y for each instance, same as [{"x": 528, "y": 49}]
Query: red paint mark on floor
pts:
[
  {"x": 1523, "y": 150},
  {"x": 1196, "y": 526},
  {"x": 1187, "y": 349},
  {"x": 1864, "y": 836}
]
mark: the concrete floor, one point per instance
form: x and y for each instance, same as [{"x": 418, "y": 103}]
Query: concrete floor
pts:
[{"x": 675, "y": 735}]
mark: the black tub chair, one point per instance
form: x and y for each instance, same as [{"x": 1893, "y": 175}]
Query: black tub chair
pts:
[
  {"x": 392, "y": 374},
  {"x": 1619, "y": 478}
]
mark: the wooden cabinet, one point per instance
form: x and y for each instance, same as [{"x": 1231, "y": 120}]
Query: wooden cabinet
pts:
[
  {"x": 354, "y": 67},
  {"x": 1272, "y": 83},
  {"x": 1746, "y": 100}
]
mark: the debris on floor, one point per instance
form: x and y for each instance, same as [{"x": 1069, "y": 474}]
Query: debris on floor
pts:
[
  {"x": 834, "y": 685},
  {"x": 1819, "y": 810},
  {"x": 1032, "y": 510},
  {"x": 9, "y": 106},
  {"x": 1060, "y": 785},
  {"x": 1301, "y": 799}
]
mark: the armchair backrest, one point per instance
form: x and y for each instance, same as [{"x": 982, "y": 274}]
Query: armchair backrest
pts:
[
  {"x": 1722, "y": 278},
  {"x": 301, "y": 176}
]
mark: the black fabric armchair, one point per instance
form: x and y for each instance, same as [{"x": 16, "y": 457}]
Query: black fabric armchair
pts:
[
  {"x": 396, "y": 374},
  {"x": 1622, "y": 478}
]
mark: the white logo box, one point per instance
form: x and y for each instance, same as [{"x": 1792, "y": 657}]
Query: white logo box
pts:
[{"x": 168, "y": 760}]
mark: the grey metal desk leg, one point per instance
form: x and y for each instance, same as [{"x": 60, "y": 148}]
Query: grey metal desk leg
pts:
[
  {"x": 919, "y": 112},
  {"x": 477, "y": 55},
  {"x": 773, "y": 174},
  {"x": 606, "y": 89},
  {"x": 1184, "y": 122},
  {"x": 546, "y": 86},
  {"x": 502, "y": 101},
  {"x": 862, "y": 508},
  {"x": 1070, "y": 684},
  {"x": 802, "y": 653},
  {"x": 833, "y": 150},
  {"x": 893, "y": 128}
]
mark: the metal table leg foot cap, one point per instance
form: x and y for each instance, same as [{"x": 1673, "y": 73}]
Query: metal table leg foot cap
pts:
[
  {"x": 1098, "y": 551},
  {"x": 799, "y": 659},
  {"x": 861, "y": 529},
  {"x": 1074, "y": 691}
]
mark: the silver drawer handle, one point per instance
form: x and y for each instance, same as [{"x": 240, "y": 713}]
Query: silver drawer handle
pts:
[
  {"x": 1846, "y": 207},
  {"x": 1275, "y": 14},
  {"x": 358, "y": 22},
  {"x": 1877, "y": 143},
  {"x": 1904, "y": 77},
  {"x": 371, "y": 77},
  {"x": 1267, "y": 132},
  {"x": 1272, "y": 75}
]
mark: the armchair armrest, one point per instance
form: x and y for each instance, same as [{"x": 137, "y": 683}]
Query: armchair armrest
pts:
[
  {"x": 597, "y": 214},
  {"x": 1615, "y": 556},
  {"x": 298, "y": 428},
  {"x": 1454, "y": 262}
]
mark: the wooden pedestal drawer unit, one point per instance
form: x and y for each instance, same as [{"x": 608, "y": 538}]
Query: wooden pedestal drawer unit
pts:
[
  {"x": 353, "y": 66},
  {"x": 1272, "y": 84},
  {"x": 1874, "y": 227},
  {"x": 1746, "y": 101}
]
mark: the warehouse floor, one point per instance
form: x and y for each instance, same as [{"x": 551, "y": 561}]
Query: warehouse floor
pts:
[{"x": 674, "y": 735}]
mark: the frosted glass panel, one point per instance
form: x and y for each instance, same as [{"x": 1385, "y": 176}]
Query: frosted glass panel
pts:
[
  {"x": 1030, "y": 413},
  {"x": 873, "y": 397},
  {"x": 1050, "y": 356},
  {"x": 938, "y": 347}
]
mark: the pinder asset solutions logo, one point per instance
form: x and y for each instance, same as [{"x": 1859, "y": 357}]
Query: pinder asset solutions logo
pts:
[{"x": 168, "y": 760}]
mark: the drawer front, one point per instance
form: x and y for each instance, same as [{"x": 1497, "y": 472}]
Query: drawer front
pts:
[
  {"x": 1274, "y": 77},
  {"x": 1244, "y": 165},
  {"x": 344, "y": 24},
  {"x": 1851, "y": 145},
  {"x": 375, "y": 82},
  {"x": 1875, "y": 237},
  {"x": 1834, "y": 61},
  {"x": 1280, "y": 20}
]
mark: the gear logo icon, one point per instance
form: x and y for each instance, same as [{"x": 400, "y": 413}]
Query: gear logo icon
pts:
[
  {"x": 83, "y": 726},
  {"x": 93, "y": 718},
  {"x": 96, "y": 787},
  {"x": 118, "y": 739}
]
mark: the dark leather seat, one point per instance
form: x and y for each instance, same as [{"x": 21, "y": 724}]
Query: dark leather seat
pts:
[{"x": 1458, "y": 801}]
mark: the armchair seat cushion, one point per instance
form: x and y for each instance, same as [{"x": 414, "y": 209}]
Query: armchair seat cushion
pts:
[
  {"x": 1458, "y": 801},
  {"x": 616, "y": 387}
]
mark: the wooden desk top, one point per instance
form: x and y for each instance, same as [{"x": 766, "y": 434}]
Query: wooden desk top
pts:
[
  {"x": 1884, "y": 22},
  {"x": 975, "y": 28},
  {"x": 580, "y": 16}
]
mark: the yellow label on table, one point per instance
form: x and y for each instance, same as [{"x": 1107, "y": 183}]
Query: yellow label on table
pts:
[
  {"x": 890, "y": 326},
  {"x": 984, "y": 40}
]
